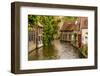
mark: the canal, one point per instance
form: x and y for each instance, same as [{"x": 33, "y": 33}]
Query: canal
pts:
[{"x": 58, "y": 50}]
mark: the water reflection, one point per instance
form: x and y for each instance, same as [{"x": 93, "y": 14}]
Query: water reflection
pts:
[
  {"x": 44, "y": 53},
  {"x": 58, "y": 50}
]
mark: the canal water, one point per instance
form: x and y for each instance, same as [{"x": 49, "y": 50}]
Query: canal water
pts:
[{"x": 58, "y": 50}]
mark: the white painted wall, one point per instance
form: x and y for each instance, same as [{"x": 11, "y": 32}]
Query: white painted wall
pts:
[
  {"x": 84, "y": 35},
  {"x": 5, "y": 33}
]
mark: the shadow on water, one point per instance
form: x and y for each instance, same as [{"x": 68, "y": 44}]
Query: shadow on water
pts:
[{"x": 43, "y": 53}]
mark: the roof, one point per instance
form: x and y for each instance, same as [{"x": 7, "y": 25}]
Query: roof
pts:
[
  {"x": 83, "y": 22},
  {"x": 69, "y": 26}
]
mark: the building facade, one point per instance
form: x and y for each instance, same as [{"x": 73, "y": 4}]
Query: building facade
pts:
[
  {"x": 75, "y": 32},
  {"x": 69, "y": 32},
  {"x": 35, "y": 37},
  {"x": 84, "y": 29}
]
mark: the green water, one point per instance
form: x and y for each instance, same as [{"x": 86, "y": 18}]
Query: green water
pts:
[{"x": 58, "y": 50}]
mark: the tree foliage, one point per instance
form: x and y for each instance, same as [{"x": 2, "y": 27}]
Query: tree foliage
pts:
[
  {"x": 50, "y": 26},
  {"x": 70, "y": 18},
  {"x": 49, "y": 29},
  {"x": 33, "y": 20}
]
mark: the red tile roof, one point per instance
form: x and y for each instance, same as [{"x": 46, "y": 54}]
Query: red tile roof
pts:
[{"x": 69, "y": 26}]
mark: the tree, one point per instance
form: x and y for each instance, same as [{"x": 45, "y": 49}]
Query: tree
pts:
[
  {"x": 49, "y": 29},
  {"x": 69, "y": 18},
  {"x": 33, "y": 23}
]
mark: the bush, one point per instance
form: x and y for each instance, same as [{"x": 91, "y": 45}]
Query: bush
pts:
[{"x": 84, "y": 49}]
